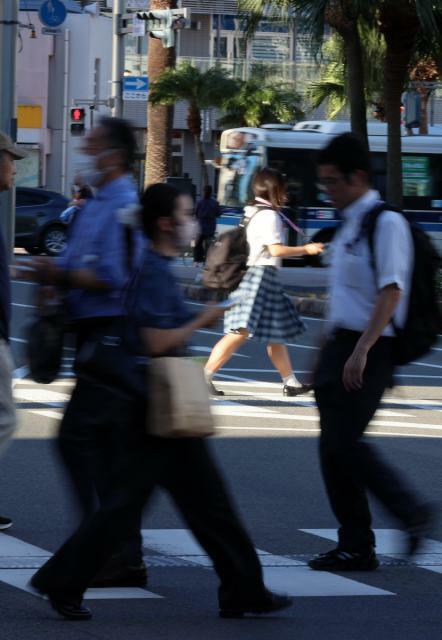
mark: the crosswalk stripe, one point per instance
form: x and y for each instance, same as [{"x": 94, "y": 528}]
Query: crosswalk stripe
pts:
[
  {"x": 19, "y": 577},
  {"x": 391, "y": 542},
  {"x": 294, "y": 578}
]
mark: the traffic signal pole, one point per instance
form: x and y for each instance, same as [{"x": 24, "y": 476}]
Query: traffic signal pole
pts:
[
  {"x": 8, "y": 121},
  {"x": 118, "y": 11}
]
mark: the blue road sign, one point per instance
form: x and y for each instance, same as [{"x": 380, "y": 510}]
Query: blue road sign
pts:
[
  {"x": 52, "y": 13},
  {"x": 136, "y": 83}
]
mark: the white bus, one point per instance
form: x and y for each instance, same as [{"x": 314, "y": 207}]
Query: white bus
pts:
[{"x": 293, "y": 151}]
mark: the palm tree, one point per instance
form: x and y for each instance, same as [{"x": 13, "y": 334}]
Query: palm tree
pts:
[
  {"x": 332, "y": 84},
  {"x": 400, "y": 22},
  {"x": 314, "y": 15},
  {"x": 258, "y": 101},
  {"x": 159, "y": 117},
  {"x": 200, "y": 89}
]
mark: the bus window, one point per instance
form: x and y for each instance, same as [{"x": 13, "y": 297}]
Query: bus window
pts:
[
  {"x": 422, "y": 180},
  {"x": 235, "y": 178},
  {"x": 299, "y": 167}
]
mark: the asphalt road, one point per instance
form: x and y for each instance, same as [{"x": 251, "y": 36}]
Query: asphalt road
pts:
[{"x": 267, "y": 448}]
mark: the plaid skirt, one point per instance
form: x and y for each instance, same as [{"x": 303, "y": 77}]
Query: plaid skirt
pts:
[{"x": 263, "y": 308}]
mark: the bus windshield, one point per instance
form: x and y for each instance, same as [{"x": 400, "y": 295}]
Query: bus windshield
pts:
[{"x": 235, "y": 179}]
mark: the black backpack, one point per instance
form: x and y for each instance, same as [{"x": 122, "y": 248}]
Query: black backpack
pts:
[
  {"x": 422, "y": 323},
  {"x": 226, "y": 261}
]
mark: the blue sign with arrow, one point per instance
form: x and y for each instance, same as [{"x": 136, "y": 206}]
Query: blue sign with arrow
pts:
[
  {"x": 135, "y": 83},
  {"x": 52, "y": 13}
]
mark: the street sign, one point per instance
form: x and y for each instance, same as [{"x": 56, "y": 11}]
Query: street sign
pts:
[
  {"x": 52, "y": 13},
  {"x": 135, "y": 88},
  {"x": 137, "y": 4},
  {"x": 47, "y": 31}
]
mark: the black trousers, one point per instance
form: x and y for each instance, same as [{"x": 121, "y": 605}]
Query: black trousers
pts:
[
  {"x": 201, "y": 247},
  {"x": 94, "y": 441},
  {"x": 186, "y": 469},
  {"x": 351, "y": 465}
]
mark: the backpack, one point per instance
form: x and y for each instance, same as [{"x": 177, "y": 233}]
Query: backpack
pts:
[
  {"x": 422, "y": 323},
  {"x": 226, "y": 261}
]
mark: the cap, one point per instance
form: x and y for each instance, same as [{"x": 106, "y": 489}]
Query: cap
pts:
[{"x": 6, "y": 144}]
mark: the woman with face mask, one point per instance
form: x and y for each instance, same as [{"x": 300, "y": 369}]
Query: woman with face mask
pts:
[{"x": 183, "y": 466}]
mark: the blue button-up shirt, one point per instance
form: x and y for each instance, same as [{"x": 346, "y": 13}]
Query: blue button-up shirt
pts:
[{"x": 97, "y": 241}]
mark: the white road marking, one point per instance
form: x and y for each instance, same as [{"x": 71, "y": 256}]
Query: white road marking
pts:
[
  {"x": 293, "y": 578},
  {"x": 316, "y": 430},
  {"x": 19, "y": 578},
  {"x": 43, "y": 396},
  {"x": 209, "y": 350},
  {"x": 392, "y": 542}
]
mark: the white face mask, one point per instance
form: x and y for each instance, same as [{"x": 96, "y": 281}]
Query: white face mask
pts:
[
  {"x": 187, "y": 233},
  {"x": 88, "y": 171}
]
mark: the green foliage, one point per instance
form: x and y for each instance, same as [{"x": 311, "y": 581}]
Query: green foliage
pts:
[
  {"x": 200, "y": 89},
  {"x": 259, "y": 101}
]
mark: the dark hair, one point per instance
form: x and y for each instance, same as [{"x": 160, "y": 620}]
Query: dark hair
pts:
[
  {"x": 270, "y": 185},
  {"x": 208, "y": 191},
  {"x": 158, "y": 201},
  {"x": 347, "y": 153},
  {"x": 120, "y": 136}
]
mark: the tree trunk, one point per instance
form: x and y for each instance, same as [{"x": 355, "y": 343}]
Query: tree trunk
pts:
[
  {"x": 159, "y": 118},
  {"x": 342, "y": 17},
  {"x": 423, "y": 124},
  {"x": 399, "y": 26},
  {"x": 194, "y": 124},
  {"x": 355, "y": 80}
]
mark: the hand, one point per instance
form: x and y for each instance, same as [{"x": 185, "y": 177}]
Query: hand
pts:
[
  {"x": 313, "y": 248},
  {"x": 354, "y": 369},
  {"x": 211, "y": 315}
]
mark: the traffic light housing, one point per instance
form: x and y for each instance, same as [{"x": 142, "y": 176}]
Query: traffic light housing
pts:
[
  {"x": 163, "y": 24},
  {"x": 78, "y": 117}
]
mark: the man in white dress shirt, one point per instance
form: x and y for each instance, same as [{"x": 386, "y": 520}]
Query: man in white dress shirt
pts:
[{"x": 356, "y": 364}]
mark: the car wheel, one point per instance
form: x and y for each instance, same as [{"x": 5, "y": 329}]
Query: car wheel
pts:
[{"x": 54, "y": 240}]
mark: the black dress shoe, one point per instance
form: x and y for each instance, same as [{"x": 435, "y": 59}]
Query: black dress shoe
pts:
[
  {"x": 124, "y": 577},
  {"x": 418, "y": 528},
  {"x": 296, "y": 391},
  {"x": 69, "y": 608},
  {"x": 270, "y": 603},
  {"x": 340, "y": 560}
]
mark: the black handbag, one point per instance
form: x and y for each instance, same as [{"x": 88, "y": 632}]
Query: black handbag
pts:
[
  {"x": 109, "y": 358},
  {"x": 45, "y": 344}
]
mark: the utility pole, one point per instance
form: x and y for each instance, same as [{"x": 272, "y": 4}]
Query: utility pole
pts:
[
  {"x": 8, "y": 120},
  {"x": 118, "y": 12}
]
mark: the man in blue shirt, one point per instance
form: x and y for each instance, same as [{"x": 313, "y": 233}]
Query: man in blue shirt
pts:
[
  {"x": 94, "y": 272},
  {"x": 8, "y": 154}
]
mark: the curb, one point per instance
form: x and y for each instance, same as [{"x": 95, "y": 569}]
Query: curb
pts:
[{"x": 306, "y": 306}]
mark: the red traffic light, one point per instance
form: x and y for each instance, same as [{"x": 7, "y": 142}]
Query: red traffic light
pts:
[{"x": 77, "y": 114}]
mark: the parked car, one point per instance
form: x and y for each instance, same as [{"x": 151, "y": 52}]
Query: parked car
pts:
[{"x": 38, "y": 226}]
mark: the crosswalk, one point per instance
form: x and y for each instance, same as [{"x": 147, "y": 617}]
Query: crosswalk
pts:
[
  {"x": 167, "y": 549},
  {"x": 253, "y": 407}
]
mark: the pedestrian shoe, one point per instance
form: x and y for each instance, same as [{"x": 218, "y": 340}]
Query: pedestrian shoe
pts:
[
  {"x": 339, "y": 560},
  {"x": 418, "y": 528},
  {"x": 124, "y": 577},
  {"x": 213, "y": 390},
  {"x": 68, "y": 608},
  {"x": 296, "y": 391},
  {"x": 5, "y": 523},
  {"x": 270, "y": 603}
]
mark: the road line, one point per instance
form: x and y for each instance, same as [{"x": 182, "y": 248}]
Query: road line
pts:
[
  {"x": 19, "y": 578},
  {"x": 23, "y": 306},
  {"x": 316, "y": 430},
  {"x": 293, "y": 578}
]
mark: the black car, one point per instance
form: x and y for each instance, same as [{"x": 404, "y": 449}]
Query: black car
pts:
[{"x": 38, "y": 227}]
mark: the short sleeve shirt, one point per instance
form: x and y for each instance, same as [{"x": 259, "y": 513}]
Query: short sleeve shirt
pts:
[
  {"x": 266, "y": 228},
  {"x": 354, "y": 284},
  {"x": 157, "y": 301}
]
